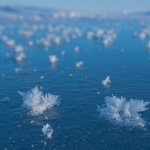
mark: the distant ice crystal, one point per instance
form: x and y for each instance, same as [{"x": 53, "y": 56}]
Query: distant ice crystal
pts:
[
  {"x": 122, "y": 50},
  {"x": 57, "y": 40},
  {"x": 106, "y": 42},
  {"x": 5, "y": 99},
  {"x": 42, "y": 77},
  {"x": 122, "y": 112},
  {"x": 20, "y": 56},
  {"x": 106, "y": 81},
  {"x": 100, "y": 33},
  {"x": 74, "y": 14},
  {"x": 70, "y": 74},
  {"x": 142, "y": 36},
  {"x": 53, "y": 58},
  {"x": 76, "y": 49},
  {"x": 25, "y": 34},
  {"x": 114, "y": 36},
  {"x": 35, "y": 70},
  {"x": 47, "y": 130},
  {"x": 90, "y": 35},
  {"x": 107, "y": 37},
  {"x": 46, "y": 43},
  {"x": 17, "y": 70},
  {"x": 30, "y": 43},
  {"x": 62, "y": 53},
  {"x": 10, "y": 43},
  {"x": 79, "y": 64},
  {"x": 37, "y": 103},
  {"x": 3, "y": 75},
  {"x": 19, "y": 48},
  {"x": 126, "y": 12}
]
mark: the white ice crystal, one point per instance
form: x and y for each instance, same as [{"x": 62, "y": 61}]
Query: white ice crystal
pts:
[
  {"x": 76, "y": 49},
  {"x": 79, "y": 64},
  {"x": 106, "y": 81},
  {"x": 37, "y": 103},
  {"x": 53, "y": 58},
  {"x": 20, "y": 56},
  {"x": 122, "y": 112},
  {"x": 47, "y": 130},
  {"x": 19, "y": 48}
]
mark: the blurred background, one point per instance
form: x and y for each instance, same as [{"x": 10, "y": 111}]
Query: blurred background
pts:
[{"x": 95, "y": 6}]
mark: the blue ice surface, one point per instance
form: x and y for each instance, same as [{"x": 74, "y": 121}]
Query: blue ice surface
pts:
[{"x": 75, "y": 122}]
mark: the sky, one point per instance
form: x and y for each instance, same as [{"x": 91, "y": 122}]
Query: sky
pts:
[{"x": 95, "y": 6}]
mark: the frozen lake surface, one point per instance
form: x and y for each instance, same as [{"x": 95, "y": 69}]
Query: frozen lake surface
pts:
[{"x": 84, "y": 53}]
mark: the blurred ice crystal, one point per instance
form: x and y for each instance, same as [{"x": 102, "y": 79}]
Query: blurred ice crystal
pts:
[
  {"x": 53, "y": 58},
  {"x": 79, "y": 64},
  {"x": 106, "y": 81},
  {"x": 47, "y": 130}
]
